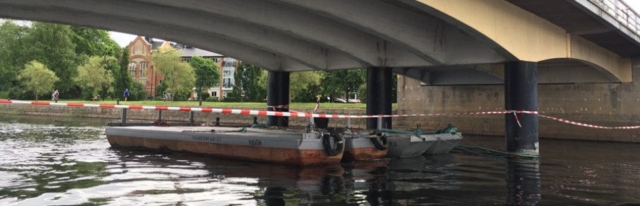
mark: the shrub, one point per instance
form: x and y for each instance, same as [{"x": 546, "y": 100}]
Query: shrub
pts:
[
  {"x": 204, "y": 95},
  {"x": 136, "y": 91},
  {"x": 229, "y": 99},
  {"x": 211, "y": 99}
]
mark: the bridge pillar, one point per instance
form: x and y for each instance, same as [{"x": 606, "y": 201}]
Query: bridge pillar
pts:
[
  {"x": 521, "y": 93},
  {"x": 379, "y": 100},
  {"x": 278, "y": 97}
]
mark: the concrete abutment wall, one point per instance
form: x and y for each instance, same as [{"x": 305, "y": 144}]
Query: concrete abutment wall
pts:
[{"x": 616, "y": 104}]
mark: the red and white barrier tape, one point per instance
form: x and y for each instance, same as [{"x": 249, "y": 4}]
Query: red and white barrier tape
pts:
[
  {"x": 251, "y": 112},
  {"x": 303, "y": 114},
  {"x": 517, "y": 120},
  {"x": 587, "y": 125}
]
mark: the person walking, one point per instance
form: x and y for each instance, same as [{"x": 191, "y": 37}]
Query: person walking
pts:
[
  {"x": 126, "y": 94},
  {"x": 55, "y": 96}
]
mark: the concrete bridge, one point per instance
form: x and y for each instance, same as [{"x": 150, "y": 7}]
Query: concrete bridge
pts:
[{"x": 518, "y": 43}]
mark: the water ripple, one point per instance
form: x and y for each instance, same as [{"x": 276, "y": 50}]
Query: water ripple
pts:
[{"x": 68, "y": 162}]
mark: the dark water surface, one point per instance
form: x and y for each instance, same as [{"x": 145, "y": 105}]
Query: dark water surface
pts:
[{"x": 58, "y": 161}]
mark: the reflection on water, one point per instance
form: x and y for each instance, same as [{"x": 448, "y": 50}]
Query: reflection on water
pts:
[
  {"x": 523, "y": 181},
  {"x": 45, "y": 161}
]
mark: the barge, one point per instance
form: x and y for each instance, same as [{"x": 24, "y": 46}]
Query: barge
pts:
[
  {"x": 401, "y": 146},
  {"x": 414, "y": 143},
  {"x": 445, "y": 143},
  {"x": 365, "y": 145},
  {"x": 263, "y": 145}
]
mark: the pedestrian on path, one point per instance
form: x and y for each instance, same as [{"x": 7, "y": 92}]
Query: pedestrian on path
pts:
[
  {"x": 55, "y": 96},
  {"x": 126, "y": 94}
]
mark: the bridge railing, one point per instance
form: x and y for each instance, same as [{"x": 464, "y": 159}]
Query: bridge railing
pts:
[{"x": 621, "y": 12}]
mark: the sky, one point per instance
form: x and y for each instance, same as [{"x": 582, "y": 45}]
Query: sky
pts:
[{"x": 123, "y": 39}]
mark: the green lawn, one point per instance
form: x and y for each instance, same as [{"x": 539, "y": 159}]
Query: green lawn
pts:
[{"x": 230, "y": 104}]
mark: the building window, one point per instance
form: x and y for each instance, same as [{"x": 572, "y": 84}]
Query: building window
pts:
[
  {"x": 229, "y": 62},
  {"x": 214, "y": 94},
  {"x": 224, "y": 94},
  {"x": 132, "y": 69},
  {"x": 227, "y": 83},
  {"x": 143, "y": 69}
]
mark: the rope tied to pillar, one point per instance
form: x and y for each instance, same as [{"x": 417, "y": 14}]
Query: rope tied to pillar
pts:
[{"x": 479, "y": 150}]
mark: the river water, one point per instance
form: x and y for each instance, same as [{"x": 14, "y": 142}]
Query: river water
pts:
[{"x": 64, "y": 161}]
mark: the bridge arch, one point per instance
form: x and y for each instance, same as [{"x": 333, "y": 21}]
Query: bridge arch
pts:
[
  {"x": 570, "y": 70},
  {"x": 522, "y": 36}
]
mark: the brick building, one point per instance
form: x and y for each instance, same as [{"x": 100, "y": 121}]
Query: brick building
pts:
[
  {"x": 142, "y": 69},
  {"x": 141, "y": 65}
]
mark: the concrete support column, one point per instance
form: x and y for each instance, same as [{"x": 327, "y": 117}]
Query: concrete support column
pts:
[
  {"x": 379, "y": 100},
  {"x": 521, "y": 93},
  {"x": 278, "y": 97}
]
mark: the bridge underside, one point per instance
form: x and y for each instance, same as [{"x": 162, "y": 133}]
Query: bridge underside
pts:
[
  {"x": 554, "y": 71},
  {"x": 302, "y": 35}
]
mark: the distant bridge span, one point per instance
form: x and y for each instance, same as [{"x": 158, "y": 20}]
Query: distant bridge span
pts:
[{"x": 438, "y": 42}]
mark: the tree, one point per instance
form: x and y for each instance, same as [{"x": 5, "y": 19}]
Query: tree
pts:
[
  {"x": 93, "y": 77},
  {"x": 300, "y": 85},
  {"x": 121, "y": 76},
  {"x": 247, "y": 79},
  {"x": 136, "y": 91},
  {"x": 13, "y": 55},
  {"x": 343, "y": 81},
  {"x": 51, "y": 44},
  {"x": 94, "y": 42},
  {"x": 37, "y": 78},
  {"x": 207, "y": 74},
  {"x": 179, "y": 77}
]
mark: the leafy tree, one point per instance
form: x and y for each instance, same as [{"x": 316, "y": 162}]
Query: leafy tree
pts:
[
  {"x": 247, "y": 79},
  {"x": 94, "y": 42},
  {"x": 136, "y": 91},
  {"x": 13, "y": 55},
  {"x": 51, "y": 44},
  {"x": 207, "y": 74},
  {"x": 94, "y": 77},
  {"x": 300, "y": 85},
  {"x": 37, "y": 78},
  {"x": 179, "y": 77},
  {"x": 162, "y": 87},
  {"x": 342, "y": 81},
  {"x": 122, "y": 77}
]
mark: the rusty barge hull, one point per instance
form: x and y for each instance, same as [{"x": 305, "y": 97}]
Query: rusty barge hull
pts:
[
  {"x": 277, "y": 146},
  {"x": 359, "y": 147}
]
